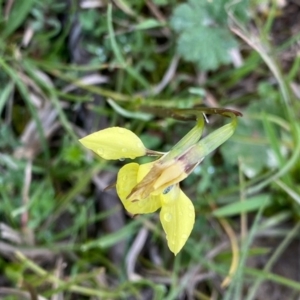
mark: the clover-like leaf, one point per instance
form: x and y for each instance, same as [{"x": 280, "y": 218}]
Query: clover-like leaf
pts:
[{"x": 203, "y": 35}]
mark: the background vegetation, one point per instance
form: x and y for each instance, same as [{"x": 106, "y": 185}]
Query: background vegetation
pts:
[{"x": 69, "y": 68}]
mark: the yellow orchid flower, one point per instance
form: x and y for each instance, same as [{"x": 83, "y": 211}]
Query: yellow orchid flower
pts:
[
  {"x": 177, "y": 213},
  {"x": 146, "y": 188}
]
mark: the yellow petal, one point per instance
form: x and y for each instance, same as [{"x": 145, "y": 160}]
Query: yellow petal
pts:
[
  {"x": 177, "y": 217},
  {"x": 144, "y": 169},
  {"x": 114, "y": 143},
  {"x": 127, "y": 179}
]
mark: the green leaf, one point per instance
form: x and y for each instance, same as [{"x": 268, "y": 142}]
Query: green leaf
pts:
[
  {"x": 5, "y": 94},
  {"x": 17, "y": 16},
  {"x": 208, "y": 48},
  {"x": 108, "y": 240},
  {"x": 148, "y": 24},
  {"x": 128, "y": 114},
  {"x": 160, "y": 2},
  {"x": 251, "y": 204},
  {"x": 250, "y": 143},
  {"x": 203, "y": 35}
]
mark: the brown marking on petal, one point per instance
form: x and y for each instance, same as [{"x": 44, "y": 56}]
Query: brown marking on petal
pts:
[
  {"x": 190, "y": 168},
  {"x": 189, "y": 162},
  {"x": 154, "y": 153},
  {"x": 135, "y": 200}
]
